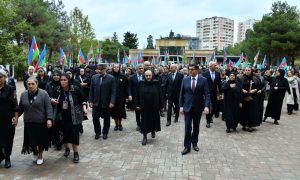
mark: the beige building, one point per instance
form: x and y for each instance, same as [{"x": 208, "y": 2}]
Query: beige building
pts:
[
  {"x": 179, "y": 50},
  {"x": 215, "y": 32},
  {"x": 243, "y": 27}
]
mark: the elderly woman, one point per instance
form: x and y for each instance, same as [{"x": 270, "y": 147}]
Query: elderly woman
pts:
[
  {"x": 70, "y": 108},
  {"x": 149, "y": 101},
  {"x": 9, "y": 118},
  {"x": 232, "y": 102},
  {"x": 36, "y": 106}
]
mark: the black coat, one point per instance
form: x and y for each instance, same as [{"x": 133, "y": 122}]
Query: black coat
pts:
[
  {"x": 104, "y": 94},
  {"x": 232, "y": 100},
  {"x": 276, "y": 97},
  {"x": 8, "y": 106},
  {"x": 42, "y": 82},
  {"x": 250, "y": 111},
  {"x": 173, "y": 87},
  {"x": 214, "y": 86},
  {"x": 119, "y": 111},
  {"x": 150, "y": 101}
]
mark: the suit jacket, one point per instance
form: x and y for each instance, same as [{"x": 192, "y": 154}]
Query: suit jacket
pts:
[
  {"x": 133, "y": 85},
  {"x": 102, "y": 95},
  {"x": 173, "y": 87},
  {"x": 213, "y": 85},
  {"x": 198, "y": 99}
]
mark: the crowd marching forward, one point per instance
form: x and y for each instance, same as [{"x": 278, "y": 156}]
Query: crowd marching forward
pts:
[{"x": 56, "y": 102}]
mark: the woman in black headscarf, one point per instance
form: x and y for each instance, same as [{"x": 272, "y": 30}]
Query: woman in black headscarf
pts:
[
  {"x": 232, "y": 102},
  {"x": 249, "y": 111},
  {"x": 277, "y": 92}
]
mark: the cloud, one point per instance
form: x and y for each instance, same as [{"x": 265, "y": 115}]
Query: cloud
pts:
[{"x": 157, "y": 17}]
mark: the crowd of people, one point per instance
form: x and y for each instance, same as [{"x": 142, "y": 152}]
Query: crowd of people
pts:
[{"x": 56, "y": 102}]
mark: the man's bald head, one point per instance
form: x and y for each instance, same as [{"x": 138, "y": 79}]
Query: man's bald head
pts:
[{"x": 173, "y": 68}]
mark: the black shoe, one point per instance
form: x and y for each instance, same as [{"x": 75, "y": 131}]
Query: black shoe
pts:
[
  {"x": 216, "y": 116},
  {"x": 144, "y": 142},
  {"x": 250, "y": 129},
  {"x": 244, "y": 129},
  {"x": 168, "y": 123},
  {"x": 264, "y": 120},
  {"x": 234, "y": 129},
  {"x": 228, "y": 130},
  {"x": 58, "y": 147},
  {"x": 208, "y": 125},
  {"x": 289, "y": 113},
  {"x": 116, "y": 128},
  {"x": 67, "y": 152},
  {"x": 7, "y": 163},
  {"x": 1, "y": 159},
  {"x": 120, "y": 128},
  {"x": 185, "y": 151},
  {"x": 276, "y": 122},
  {"x": 195, "y": 147},
  {"x": 153, "y": 134},
  {"x": 175, "y": 120},
  {"x": 162, "y": 115},
  {"x": 97, "y": 136},
  {"x": 76, "y": 158},
  {"x": 104, "y": 136},
  {"x": 138, "y": 128}
]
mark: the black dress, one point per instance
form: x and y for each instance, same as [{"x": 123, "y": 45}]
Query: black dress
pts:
[
  {"x": 69, "y": 130},
  {"x": 8, "y": 106},
  {"x": 35, "y": 134},
  {"x": 249, "y": 111},
  {"x": 149, "y": 100},
  {"x": 276, "y": 97},
  {"x": 232, "y": 100},
  {"x": 119, "y": 111}
]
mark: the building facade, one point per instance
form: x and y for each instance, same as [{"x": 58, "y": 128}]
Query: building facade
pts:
[
  {"x": 243, "y": 27},
  {"x": 215, "y": 32}
]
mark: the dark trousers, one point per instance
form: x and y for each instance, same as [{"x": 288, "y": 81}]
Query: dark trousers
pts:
[
  {"x": 103, "y": 113},
  {"x": 212, "y": 110},
  {"x": 171, "y": 101},
  {"x": 138, "y": 117},
  {"x": 190, "y": 118}
]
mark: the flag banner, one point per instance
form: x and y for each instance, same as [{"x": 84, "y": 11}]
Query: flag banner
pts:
[
  {"x": 33, "y": 51},
  {"x": 81, "y": 58}
]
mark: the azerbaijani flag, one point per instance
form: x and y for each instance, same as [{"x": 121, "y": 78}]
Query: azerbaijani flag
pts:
[
  {"x": 33, "y": 51},
  {"x": 98, "y": 53},
  {"x": 126, "y": 57},
  {"x": 90, "y": 55},
  {"x": 63, "y": 59},
  {"x": 213, "y": 56},
  {"x": 283, "y": 64},
  {"x": 230, "y": 63},
  {"x": 42, "y": 59},
  {"x": 256, "y": 58},
  {"x": 81, "y": 58},
  {"x": 225, "y": 56}
]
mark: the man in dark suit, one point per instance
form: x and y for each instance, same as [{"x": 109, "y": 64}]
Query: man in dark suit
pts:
[
  {"x": 194, "y": 98},
  {"x": 102, "y": 98},
  {"x": 214, "y": 82},
  {"x": 132, "y": 91},
  {"x": 173, "y": 89}
]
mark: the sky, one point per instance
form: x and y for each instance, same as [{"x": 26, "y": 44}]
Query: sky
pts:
[{"x": 158, "y": 17}]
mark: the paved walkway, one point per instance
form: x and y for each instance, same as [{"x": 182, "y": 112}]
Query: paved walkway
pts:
[{"x": 271, "y": 152}]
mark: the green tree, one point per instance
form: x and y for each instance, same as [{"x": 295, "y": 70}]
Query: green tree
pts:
[
  {"x": 277, "y": 34},
  {"x": 130, "y": 40},
  {"x": 150, "y": 42},
  {"x": 110, "y": 49},
  {"x": 115, "y": 37}
]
